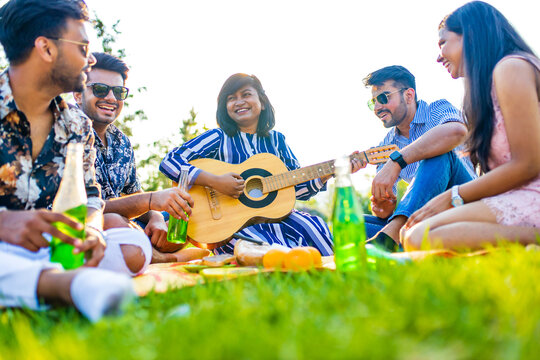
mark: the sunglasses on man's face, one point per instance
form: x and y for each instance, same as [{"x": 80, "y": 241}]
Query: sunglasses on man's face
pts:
[
  {"x": 84, "y": 46},
  {"x": 382, "y": 98},
  {"x": 101, "y": 91}
]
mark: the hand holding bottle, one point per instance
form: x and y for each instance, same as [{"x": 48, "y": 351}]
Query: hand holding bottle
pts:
[
  {"x": 25, "y": 228},
  {"x": 70, "y": 200},
  {"x": 176, "y": 201}
]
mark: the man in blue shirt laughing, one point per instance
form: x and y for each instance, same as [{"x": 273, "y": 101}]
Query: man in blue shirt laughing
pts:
[{"x": 429, "y": 138}]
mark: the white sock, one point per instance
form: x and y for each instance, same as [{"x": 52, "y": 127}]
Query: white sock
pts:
[{"x": 97, "y": 292}]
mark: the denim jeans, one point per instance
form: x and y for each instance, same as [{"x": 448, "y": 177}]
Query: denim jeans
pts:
[
  {"x": 143, "y": 225},
  {"x": 433, "y": 177}
]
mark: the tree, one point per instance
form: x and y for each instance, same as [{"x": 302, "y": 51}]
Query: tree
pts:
[
  {"x": 155, "y": 180},
  {"x": 148, "y": 168}
]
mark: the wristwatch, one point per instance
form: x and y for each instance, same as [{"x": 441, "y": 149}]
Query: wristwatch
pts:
[
  {"x": 456, "y": 199},
  {"x": 397, "y": 157}
]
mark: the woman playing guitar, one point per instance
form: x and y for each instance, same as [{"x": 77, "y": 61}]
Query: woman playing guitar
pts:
[{"x": 246, "y": 117}]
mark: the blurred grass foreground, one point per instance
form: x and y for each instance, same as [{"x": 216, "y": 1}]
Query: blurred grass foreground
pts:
[{"x": 484, "y": 307}]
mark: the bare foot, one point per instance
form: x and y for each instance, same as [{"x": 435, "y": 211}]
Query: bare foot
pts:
[
  {"x": 183, "y": 255},
  {"x": 191, "y": 254}
]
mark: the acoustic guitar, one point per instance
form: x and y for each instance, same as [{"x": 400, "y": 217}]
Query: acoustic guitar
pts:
[{"x": 269, "y": 194}]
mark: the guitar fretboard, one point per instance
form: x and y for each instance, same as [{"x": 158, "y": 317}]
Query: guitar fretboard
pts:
[
  {"x": 375, "y": 155},
  {"x": 298, "y": 176}
]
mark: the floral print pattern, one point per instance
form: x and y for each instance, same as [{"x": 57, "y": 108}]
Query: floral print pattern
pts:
[
  {"x": 29, "y": 184},
  {"x": 116, "y": 170}
]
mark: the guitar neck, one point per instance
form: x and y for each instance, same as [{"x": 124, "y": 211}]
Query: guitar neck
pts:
[{"x": 301, "y": 175}]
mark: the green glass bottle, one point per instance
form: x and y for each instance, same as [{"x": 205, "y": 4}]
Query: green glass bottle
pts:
[
  {"x": 348, "y": 227},
  {"x": 71, "y": 201},
  {"x": 177, "y": 232}
]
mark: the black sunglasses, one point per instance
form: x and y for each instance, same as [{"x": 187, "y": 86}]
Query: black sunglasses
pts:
[
  {"x": 101, "y": 91},
  {"x": 382, "y": 99}
]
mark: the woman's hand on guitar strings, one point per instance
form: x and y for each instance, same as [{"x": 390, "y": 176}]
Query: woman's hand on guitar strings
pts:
[{"x": 230, "y": 184}]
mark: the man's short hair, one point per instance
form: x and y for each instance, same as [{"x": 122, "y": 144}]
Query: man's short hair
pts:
[
  {"x": 22, "y": 21},
  {"x": 111, "y": 63},
  {"x": 396, "y": 73}
]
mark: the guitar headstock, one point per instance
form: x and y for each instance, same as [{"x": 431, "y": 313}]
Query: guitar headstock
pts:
[{"x": 378, "y": 154}]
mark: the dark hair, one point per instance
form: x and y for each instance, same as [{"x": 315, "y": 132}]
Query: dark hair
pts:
[
  {"x": 112, "y": 63},
  {"x": 22, "y": 21},
  {"x": 401, "y": 77},
  {"x": 487, "y": 38},
  {"x": 232, "y": 85}
]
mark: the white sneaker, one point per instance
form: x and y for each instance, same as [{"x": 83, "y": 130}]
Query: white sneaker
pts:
[{"x": 97, "y": 292}]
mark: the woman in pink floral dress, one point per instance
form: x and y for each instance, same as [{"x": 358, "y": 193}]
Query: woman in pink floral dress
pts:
[{"x": 502, "y": 107}]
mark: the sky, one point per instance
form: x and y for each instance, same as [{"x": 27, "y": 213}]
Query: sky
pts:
[{"x": 310, "y": 56}]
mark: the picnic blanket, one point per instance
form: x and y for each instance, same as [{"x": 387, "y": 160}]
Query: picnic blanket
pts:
[{"x": 163, "y": 277}]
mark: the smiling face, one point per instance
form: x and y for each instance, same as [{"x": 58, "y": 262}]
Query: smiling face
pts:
[
  {"x": 104, "y": 111},
  {"x": 395, "y": 111},
  {"x": 451, "y": 45},
  {"x": 244, "y": 107}
]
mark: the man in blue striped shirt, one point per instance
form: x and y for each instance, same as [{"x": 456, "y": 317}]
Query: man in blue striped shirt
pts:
[{"x": 429, "y": 138}]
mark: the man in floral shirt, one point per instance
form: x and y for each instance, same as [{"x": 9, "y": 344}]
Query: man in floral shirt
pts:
[
  {"x": 102, "y": 101},
  {"x": 47, "y": 47}
]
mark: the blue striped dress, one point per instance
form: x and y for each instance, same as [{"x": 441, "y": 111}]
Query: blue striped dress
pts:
[{"x": 298, "y": 229}]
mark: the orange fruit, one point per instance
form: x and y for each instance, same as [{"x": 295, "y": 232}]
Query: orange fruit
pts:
[
  {"x": 274, "y": 258},
  {"x": 315, "y": 255},
  {"x": 299, "y": 258}
]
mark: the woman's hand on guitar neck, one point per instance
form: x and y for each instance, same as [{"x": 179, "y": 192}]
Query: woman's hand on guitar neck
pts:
[
  {"x": 356, "y": 163},
  {"x": 230, "y": 184}
]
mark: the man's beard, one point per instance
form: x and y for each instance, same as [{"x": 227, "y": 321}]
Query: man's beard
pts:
[
  {"x": 66, "y": 82},
  {"x": 398, "y": 116}
]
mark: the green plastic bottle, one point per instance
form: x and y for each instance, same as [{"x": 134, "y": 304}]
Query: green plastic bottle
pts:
[
  {"x": 348, "y": 227},
  {"x": 71, "y": 201}
]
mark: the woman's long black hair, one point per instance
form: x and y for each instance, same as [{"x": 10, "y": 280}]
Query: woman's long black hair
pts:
[
  {"x": 487, "y": 38},
  {"x": 232, "y": 85}
]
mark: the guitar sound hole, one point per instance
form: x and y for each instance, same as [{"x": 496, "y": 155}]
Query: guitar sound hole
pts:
[{"x": 254, "y": 188}]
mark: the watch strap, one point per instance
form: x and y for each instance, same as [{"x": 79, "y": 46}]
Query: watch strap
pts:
[
  {"x": 457, "y": 200},
  {"x": 397, "y": 157}
]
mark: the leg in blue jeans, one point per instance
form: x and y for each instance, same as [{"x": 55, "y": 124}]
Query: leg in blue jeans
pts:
[
  {"x": 373, "y": 224},
  {"x": 433, "y": 177}
]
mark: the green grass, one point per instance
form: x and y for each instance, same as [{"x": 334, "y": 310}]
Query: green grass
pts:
[{"x": 473, "y": 308}]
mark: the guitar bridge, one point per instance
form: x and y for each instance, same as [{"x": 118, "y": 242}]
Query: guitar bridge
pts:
[{"x": 213, "y": 202}]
